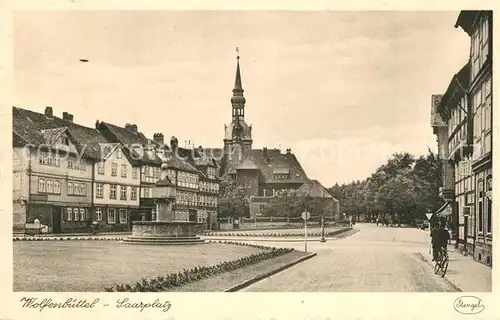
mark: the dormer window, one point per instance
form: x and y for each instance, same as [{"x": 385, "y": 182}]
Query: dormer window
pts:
[{"x": 65, "y": 140}]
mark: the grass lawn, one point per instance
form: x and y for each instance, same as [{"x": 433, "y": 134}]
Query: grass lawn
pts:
[{"x": 86, "y": 266}]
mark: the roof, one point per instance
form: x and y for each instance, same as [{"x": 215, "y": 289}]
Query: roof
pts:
[
  {"x": 267, "y": 162},
  {"x": 37, "y": 128},
  {"x": 455, "y": 91},
  {"x": 315, "y": 189},
  {"x": 247, "y": 164},
  {"x": 466, "y": 20}
]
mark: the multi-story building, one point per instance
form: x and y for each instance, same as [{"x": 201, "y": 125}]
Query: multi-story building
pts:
[
  {"x": 116, "y": 189},
  {"x": 53, "y": 171},
  {"x": 193, "y": 202},
  {"x": 479, "y": 25},
  {"x": 455, "y": 111}
]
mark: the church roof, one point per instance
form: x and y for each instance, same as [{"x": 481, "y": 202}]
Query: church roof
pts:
[{"x": 270, "y": 162}]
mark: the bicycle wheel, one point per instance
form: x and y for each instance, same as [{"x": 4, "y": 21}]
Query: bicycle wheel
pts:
[
  {"x": 437, "y": 266},
  {"x": 444, "y": 266}
]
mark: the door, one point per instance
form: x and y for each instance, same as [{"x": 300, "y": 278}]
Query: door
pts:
[
  {"x": 192, "y": 215},
  {"x": 56, "y": 220}
]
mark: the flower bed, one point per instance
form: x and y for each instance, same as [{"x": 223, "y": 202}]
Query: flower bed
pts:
[{"x": 186, "y": 276}]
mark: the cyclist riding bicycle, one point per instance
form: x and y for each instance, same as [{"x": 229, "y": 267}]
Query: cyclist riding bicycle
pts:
[{"x": 440, "y": 237}]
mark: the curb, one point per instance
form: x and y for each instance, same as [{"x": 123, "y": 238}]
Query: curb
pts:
[
  {"x": 248, "y": 282},
  {"x": 312, "y": 234},
  {"x": 446, "y": 278},
  {"x": 66, "y": 238}
]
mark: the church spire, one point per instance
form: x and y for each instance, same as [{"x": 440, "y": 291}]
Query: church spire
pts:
[{"x": 238, "y": 100}]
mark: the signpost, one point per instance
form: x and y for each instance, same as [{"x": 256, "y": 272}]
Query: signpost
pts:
[
  {"x": 305, "y": 215},
  {"x": 429, "y": 217}
]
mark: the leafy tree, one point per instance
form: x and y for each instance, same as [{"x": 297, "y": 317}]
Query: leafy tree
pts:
[{"x": 232, "y": 202}]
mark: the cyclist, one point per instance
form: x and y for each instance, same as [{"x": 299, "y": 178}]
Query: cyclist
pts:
[{"x": 440, "y": 237}]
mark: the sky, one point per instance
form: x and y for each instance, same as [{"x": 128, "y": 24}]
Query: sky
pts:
[{"x": 344, "y": 90}]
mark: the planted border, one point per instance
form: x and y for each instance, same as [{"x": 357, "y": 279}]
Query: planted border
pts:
[
  {"x": 177, "y": 279},
  {"x": 312, "y": 234}
]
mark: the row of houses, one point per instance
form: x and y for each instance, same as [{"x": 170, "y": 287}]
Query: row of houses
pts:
[
  {"x": 70, "y": 178},
  {"x": 462, "y": 121}
]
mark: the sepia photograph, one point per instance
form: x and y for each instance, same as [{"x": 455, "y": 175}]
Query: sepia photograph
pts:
[{"x": 253, "y": 151}]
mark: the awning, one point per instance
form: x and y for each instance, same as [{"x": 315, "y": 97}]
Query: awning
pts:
[{"x": 445, "y": 210}]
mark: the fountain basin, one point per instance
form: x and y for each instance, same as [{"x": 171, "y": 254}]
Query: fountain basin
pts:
[{"x": 165, "y": 233}]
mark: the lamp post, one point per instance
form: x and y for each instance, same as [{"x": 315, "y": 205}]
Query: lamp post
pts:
[{"x": 322, "y": 231}]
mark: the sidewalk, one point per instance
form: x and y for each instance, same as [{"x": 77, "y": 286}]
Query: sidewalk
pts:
[{"x": 464, "y": 272}]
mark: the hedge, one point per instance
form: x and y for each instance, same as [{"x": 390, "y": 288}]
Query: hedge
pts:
[{"x": 177, "y": 279}]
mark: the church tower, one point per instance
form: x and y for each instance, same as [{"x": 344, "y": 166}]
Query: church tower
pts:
[{"x": 238, "y": 135}]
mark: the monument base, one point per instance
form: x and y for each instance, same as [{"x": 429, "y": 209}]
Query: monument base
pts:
[{"x": 165, "y": 233}]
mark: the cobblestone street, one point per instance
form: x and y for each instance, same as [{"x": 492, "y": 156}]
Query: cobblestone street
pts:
[{"x": 375, "y": 259}]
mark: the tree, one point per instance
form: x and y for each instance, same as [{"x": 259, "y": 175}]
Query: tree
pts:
[{"x": 232, "y": 202}]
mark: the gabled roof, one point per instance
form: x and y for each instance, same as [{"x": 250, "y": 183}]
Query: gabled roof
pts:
[
  {"x": 247, "y": 164},
  {"x": 174, "y": 161},
  {"x": 107, "y": 149},
  {"x": 29, "y": 125},
  {"x": 52, "y": 135},
  {"x": 315, "y": 189},
  {"x": 456, "y": 90},
  {"x": 273, "y": 160}
]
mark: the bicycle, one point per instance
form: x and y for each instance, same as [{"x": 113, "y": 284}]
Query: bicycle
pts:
[{"x": 442, "y": 262}]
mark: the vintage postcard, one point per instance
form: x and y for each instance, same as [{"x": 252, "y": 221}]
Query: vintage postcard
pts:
[{"x": 167, "y": 162}]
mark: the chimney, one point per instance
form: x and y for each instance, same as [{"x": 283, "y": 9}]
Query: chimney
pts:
[
  {"x": 158, "y": 138},
  {"x": 48, "y": 112},
  {"x": 127, "y": 126},
  {"x": 133, "y": 127},
  {"x": 67, "y": 116},
  {"x": 264, "y": 152},
  {"x": 288, "y": 151},
  {"x": 97, "y": 124},
  {"x": 174, "y": 143}
]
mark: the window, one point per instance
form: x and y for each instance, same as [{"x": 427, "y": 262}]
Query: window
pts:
[
  {"x": 82, "y": 214},
  {"x": 111, "y": 216},
  {"x": 41, "y": 185},
  {"x": 112, "y": 191},
  {"x": 114, "y": 169},
  {"x": 57, "y": 186},
  {"x": 99, "y": 190},
  {"x": 123, "y": 192},
  {"x": 70, "y": 188},
  {"x": 124, "y": 170},
  {"x": 98, "y": 214},
  {"x": 118, "y": 153},
  {"x": 76, "y": 214},
  {"x": 77, "y": 188},
  {"x": 133, "y": 193},
  {"x": 146, "y": 192},
  {"x": 123, "y": 215},
  {"x": 70, "y": 163},
  {"x": 83, "y": 189},
  {"x": 69, "y": 214},
  {"x": 100, "y": 167},
  {"x": 134, "y": 173},
  {"x": 49, "y": 185}
]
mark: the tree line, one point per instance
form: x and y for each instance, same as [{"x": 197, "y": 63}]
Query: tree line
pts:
[{"x": 402, "y": 190}]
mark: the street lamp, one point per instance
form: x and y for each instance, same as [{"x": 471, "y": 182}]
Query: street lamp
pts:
[{"x": 322, "y": 231}]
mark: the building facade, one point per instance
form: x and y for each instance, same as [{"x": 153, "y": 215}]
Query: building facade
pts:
[
  {"x": 467, "y": 110},
  {"x": 53, "y": 162},
  {"x": 116, "y": 189},
  {"x": 479, "y": 25}
]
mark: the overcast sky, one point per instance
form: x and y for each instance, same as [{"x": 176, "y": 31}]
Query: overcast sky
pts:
[{"x": 343, "y": 90}]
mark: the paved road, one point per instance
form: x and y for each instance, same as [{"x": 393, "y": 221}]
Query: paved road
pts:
[{"x": 375, "y": 259}]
